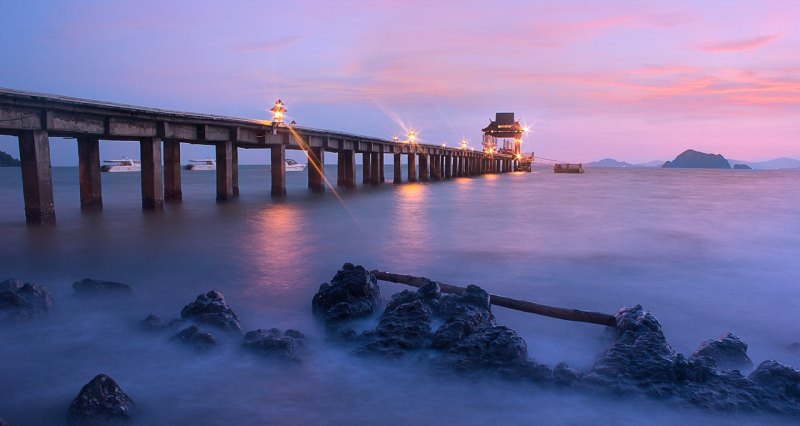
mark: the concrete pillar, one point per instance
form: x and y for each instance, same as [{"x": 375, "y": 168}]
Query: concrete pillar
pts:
[
  {"x": 375, "y": 169},
  {"x": 366, "y": 167},
  {"x": 89, "y": 173},
  {"x": 340, "y": 174},
  {"x": 316, "y": 169},
  {"x": 412, "y": 167},
  {"x": 424, "y": 169},
  {"x": 382, "y": 160},
  {"x": 436, "y": 167},
  {"x": 172, "y": 172},
  {"x": 398, "y": 169},
  {"x": 224, "y": 171},
  {"x": 37, "y": 178},
  {"x": 457, "y": 170},
  {"x": 448, "y": 166},
  {"x": 278, "y": 166},
  {"x": 350, "y": 169},
  {"x": 235, "y": 170},
  {"x": 152, "y": 175}
]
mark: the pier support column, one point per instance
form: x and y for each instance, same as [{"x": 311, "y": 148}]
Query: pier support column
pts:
[
  {"x": 235, "y": 170},
  {"x": 172, "y": 172},
  {"x": 448, "y": 166},
  {"x": 152, "y": 176},
  {"x": 316, "y": 169},
  {"x": 412, "y": 167},
  {"x": 37, "y": 178},
  {"x": 457, "y": 168},
  {"x": 340, "y": 173},
  {"x": 224, "y": 171},
  {"x": 278, "y": 170},
  {"x": 350, "y": 169},
  {"x": 398, "y": 170},
  {"x": 375, "y": 168},
  {"x": 436, "y": 167},
  {"x": 382, "y": 173},
  {"x": 423, "y": 168},
  {"x": 366, "y": 167},
  {"x": 89, "y": 173}
]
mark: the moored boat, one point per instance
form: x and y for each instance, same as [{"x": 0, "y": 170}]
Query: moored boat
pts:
[
  {"x": 294, "y": 166},
  {"x": 124, "y": 165},
  {"x": 568, "y": 168},
  {"x": 206, "y": 164}
]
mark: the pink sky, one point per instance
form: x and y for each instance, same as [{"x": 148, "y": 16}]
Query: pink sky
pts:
[{"x": 631, "y": 80}]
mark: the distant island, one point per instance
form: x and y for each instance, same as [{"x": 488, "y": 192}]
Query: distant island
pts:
[
  {"x": 742, "y": 167},
  {"x": 691, "y": 159},
  {"x": 7, "y": 160}
]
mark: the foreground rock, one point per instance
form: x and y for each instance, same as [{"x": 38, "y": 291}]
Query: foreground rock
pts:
[
  {"x": 99, "y": 401},
  {"x": 90, "y": 287},
  {"x": 729, "y": 352},
  {"x": 22, "y": 301},
  {"x": 288, "y": 345},
  {"x": 194, "y": 337},
  {"x": 698, "y": 160},
  {"x": 3, "y": 422},
  {"x": 211, "y": 309},
  {"x": 352, "y": 293}
]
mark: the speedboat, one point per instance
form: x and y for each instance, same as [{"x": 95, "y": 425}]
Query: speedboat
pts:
[
  {"x": 123, "y": 165},
  {"x": 207, "y": 164},
  {"x": 294, "y": 166}
]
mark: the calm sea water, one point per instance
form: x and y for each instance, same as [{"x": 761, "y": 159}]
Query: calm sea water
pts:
[{"x": 707, "y": 251}]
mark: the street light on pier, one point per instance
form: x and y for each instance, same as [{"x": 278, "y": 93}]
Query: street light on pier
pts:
[
  {"x": 278, "y": 111},
  {"x": 412, "y": 136},
  {"x": 464, "y": 143}
]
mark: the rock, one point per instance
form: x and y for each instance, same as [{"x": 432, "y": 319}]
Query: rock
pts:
[
  {"x": 728, "y": 351},
  {"x": 781, "y": 380},
  {"x": 565, "y": 375},
  {"x": 695, "y": 159},
  {"x": 496, "y": 348},
  {"x": 403, "y": 327},
  {"x": 3, "y": 422},
  {"x": 20, "y": 301},
  {"x": 352, "y": 293},
  {"x": 211, "y": 309},
  {"x": 100, "y": 400},
  {"x": 153, "y": 322},
  {"x": 90, "y": 287},
  {"x": 464, "y": 315},
  {"x": 741, "y": 167},
  {"x": 196, "y": 338},
  {"x": 288, "y": 345}
]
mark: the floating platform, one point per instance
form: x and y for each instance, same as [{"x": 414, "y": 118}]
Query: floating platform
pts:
[{"x": 568, "y": 168}]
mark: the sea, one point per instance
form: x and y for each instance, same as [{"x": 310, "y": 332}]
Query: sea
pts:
[{"x": 706, "y": 251}]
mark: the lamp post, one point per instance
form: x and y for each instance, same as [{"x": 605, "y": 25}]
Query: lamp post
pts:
[{"x": 278, "y": 111}]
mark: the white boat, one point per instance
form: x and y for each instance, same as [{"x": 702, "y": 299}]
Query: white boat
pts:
[
  {"x": 294, "y": 166},
  {"x": 207, "y": 164},
  {"x": 123, "y": 165}
]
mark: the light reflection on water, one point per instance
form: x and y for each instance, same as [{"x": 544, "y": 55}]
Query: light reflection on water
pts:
[{"x": 707, "y": 251}]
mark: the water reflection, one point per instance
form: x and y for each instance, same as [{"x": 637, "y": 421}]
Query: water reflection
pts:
[
  {"x": 279, "y": 245},
  {"x": 410, "y": 228}
]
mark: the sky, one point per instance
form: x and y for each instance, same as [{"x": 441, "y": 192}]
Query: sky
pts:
[{"x": 631, "y": 80}]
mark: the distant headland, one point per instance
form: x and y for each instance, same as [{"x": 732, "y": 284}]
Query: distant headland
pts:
[
  {"x": 7, "y": 160},
  {"x": 691, "y": 159}
]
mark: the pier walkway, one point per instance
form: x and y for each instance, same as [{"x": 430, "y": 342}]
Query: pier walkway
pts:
[{"x": 34, "y": 117}]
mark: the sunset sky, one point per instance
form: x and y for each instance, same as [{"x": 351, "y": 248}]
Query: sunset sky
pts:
[{"x": 631, "y": 80}]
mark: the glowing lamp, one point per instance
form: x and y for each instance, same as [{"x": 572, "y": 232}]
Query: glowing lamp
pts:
[
  {"x": 412, "y": 135},
  {"x": 395, "y": 139},
  {"x": 278, "y": 111},
  {"x": 464, "y": 144}
]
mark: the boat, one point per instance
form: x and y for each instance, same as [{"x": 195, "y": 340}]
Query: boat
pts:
[
  {"x": 124, "y": 165},
  {"x": 206, "y": 164},
  {"x": 568, "y": 168},
  {"x": 294, "y": 166}
]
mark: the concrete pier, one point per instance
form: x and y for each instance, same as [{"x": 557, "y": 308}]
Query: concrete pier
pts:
[
  {"x": 366, "y": 168},
  {"x": 235, "y": 170},
  {"x": 424, "y": 170},
  {"x": 347, "y": 169},
  {"x": 448, "y": 166},
  {"x": 172, "y": 172},
  {"x": 89, "y": 173},
  {"x": 382, "y": 160},
  {"x": 37, "y": 178},
  {"x": 152, "y": 183},
  {"x": 278, "y": 166},
  {"x": 316, "y": 169},
  {"x": 412, "y": 167},
  {"x": 398, "y": 169},
  {"x": 375, "y": 168},
  {"x": 224, "y": 171}
]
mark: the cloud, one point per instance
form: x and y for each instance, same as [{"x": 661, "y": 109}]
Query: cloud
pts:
[
  {"x": 739, "y": 45},
  {"x": 268, "y": 46}
]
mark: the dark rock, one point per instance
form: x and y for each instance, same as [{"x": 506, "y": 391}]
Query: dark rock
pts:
[
  {"x": 728, "y": 351},
  {"x": 195, "y": 338},
  {"x": 695, "y": 159},
  {"x": 6, "y": 160},
  {"x": 496, "y": 348},
  {"x": 287, "y": 345},
  {"x": 99, "y": 401},
  {"x": 92, "y": 287},
  {"x": 20, "y": 301},
  {"x": 3, "y": 422},
  {"x": 780, "y": 380},
  {"x": 565, "y": 375},
  {"x": 464, "y": 315},
  {"x": 403, "y": 327},
  {"x": 742, "y": 167},
  {"x": 352, "y": 293},
  {"x": 153, "y": 322},
  {"x": 211, "y": 309}
]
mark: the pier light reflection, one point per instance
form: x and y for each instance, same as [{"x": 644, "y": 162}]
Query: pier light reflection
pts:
[
  {"x": 278, "y": 244},
  {"x": 411, "y": 228}
]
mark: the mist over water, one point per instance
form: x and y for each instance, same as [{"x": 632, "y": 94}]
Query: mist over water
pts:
[{"x": 707, "y": 251}]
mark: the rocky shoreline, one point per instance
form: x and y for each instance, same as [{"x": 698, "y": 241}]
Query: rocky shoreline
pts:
[{"x": 448, "y": 334}]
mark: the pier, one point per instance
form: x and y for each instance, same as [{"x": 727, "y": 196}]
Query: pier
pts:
[{"x": 34, "y": 117}]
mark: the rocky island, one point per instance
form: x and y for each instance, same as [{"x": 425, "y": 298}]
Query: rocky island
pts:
[
  {"x": 7, "y": 160},
  {"x": 691, "y": 159}
]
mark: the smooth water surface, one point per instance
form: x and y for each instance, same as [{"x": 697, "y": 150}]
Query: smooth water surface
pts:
[{"x": 707, "y": 251}]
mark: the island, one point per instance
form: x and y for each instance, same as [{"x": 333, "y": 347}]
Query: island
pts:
[
  {"x": 7, "y": 160},
  {"x": 698, "y": 160},
  {"x": 742, "y": 167}
]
